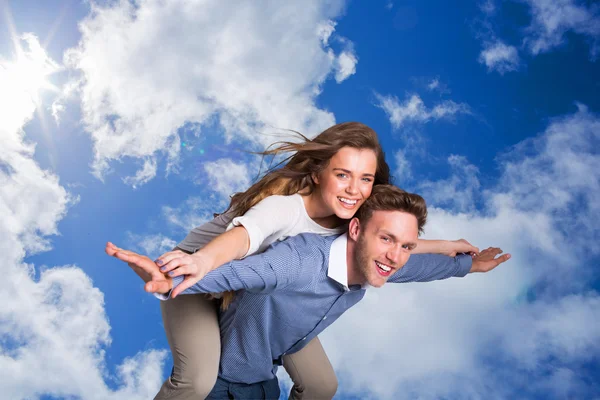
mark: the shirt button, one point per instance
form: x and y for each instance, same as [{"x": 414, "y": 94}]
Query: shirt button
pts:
[
  {"x": 303, "y": 338},
  {"x": 325, "y": 317}
]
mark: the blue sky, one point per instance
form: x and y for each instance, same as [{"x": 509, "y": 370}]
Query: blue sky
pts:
[{"x": 128, "y": 121}]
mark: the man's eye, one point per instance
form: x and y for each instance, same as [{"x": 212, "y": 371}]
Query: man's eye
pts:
[{"x": 385, "y": 239}]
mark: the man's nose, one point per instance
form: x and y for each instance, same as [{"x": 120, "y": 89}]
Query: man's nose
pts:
[{"x": 395, "y": 255}]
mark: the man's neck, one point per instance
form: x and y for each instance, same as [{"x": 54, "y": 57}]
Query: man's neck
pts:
[{"x": 353, "y": 277}]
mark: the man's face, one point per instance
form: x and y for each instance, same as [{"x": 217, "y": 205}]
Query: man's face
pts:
[{"x": 384, "y": 245}]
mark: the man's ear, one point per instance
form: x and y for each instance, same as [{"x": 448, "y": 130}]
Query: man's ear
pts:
[{"x": 354, "y": 229}]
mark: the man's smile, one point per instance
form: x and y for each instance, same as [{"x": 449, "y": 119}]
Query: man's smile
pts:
[{"x": 383, "y": 269}]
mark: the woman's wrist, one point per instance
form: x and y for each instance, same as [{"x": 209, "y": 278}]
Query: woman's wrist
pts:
[{"x": 202, "y": 258}]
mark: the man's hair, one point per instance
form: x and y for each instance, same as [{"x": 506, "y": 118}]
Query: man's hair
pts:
[{"x": 392, "y": 198}]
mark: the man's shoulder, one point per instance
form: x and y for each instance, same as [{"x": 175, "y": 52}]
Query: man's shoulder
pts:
[
  {"x": 311, "y": 239},
  {"x": 306, "y": 245}
]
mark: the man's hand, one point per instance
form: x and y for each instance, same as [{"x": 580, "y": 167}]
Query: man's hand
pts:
[
  {"x": 487, "y": 261},
  {"x": 144, "y": 267}
]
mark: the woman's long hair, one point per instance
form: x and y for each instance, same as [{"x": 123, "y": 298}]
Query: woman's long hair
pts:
[{"x": 295, "y": 173}]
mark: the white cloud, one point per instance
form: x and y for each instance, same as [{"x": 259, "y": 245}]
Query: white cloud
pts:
[
  {"x": 149, "y": 68},
  {"x": 434, "y": 84},
  {"x": 53, "y": 330},
  {"x": 552, "y": 19},
  {"x": 151, "y": 245},
  {"x": 458, "y": 192},
  {"x": 414, "y": 110},
  {"x": 402, "y": 171},
  {"x": 488, "y": 7},
  {"x": 143, "y": 175},
  {"x": 194, "y": 212},
  {"x": 227, "y": 177},
  {"x": 483, "y": 334},
  {"x": 500, "y": 57},
  {"x": 345, "y": 65},
  {"x": 325, "y": 30}
]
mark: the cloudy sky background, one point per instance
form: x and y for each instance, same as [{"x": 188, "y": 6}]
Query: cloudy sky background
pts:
[{"x": 128, "y": 120}]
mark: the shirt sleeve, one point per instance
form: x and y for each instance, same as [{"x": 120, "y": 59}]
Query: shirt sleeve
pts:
[
  {"x": 272, "y": 270},
  {"x": 431, "y": 267},
  {"x": 270, "y": 218},
  {"x": 201, "y": 235}
]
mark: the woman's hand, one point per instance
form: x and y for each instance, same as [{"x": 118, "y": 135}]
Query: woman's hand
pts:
[
  {"x": 454, "y": 247},
  {"x": 192, "y": 266}
]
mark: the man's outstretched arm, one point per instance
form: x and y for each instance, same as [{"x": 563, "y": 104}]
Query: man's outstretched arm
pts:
[
  {"x": 431, "y": 267},
  {"x": 144, "y": 267},
  {"x": 260, "y": 273}
]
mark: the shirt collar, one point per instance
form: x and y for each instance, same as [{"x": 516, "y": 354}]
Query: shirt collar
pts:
[
  {"x": 338, "y": 267},
  {"x": 338, "y": 262}
]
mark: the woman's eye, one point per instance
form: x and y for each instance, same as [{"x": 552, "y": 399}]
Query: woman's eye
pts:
[
  {"x": 342, "y": 175},
  {"x": 369, "y": 180}
]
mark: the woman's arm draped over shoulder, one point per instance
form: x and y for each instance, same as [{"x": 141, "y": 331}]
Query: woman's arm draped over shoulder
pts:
[{"x": 267, "y": 220}]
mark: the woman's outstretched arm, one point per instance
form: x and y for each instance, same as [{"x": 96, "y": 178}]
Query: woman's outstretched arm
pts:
[
  {"x": 447, "y": 247},
  {"x": 267, "y": 220},
  {"x": 228, "y": 246}
]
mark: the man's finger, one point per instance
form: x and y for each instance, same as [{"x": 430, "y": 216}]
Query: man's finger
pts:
[
  {"x": 502, "y": 259},
  {"x": 157, "y": 287},
  {"x": 110, "y": 249},
  {"x": 142, "y": 262},
  {"x": 497, "y": 261}
]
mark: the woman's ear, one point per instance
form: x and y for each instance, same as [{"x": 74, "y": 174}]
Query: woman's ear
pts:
[
  {"x": 315, "y": 178},
  {"x": 354, "y": 229}
]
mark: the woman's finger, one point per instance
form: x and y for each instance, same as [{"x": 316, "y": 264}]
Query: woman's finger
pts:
[
  {"x": 174, "y": 263},
  {"x": 167, "y": 257},
  {"x": 182, "y": 270}
]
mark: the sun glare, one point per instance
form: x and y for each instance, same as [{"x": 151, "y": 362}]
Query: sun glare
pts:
[
  {"x": 23, "y": 79},
  {"x": 29, "y": 72}
]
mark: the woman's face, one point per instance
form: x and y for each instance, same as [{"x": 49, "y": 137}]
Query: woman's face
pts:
[{"x": 347, "y": 181}]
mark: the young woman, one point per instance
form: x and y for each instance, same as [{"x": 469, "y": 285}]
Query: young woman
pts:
[{"x": 318, "y": 190}]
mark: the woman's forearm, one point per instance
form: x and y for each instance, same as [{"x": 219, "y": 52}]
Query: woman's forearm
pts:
[
  {"x": 431, "y": 247},
  {"x": 228, "y": 246},
  {"x": 447, "y": 247}
]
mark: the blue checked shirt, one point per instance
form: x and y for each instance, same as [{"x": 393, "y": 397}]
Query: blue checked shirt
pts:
[{"x": 291, "y": 293}]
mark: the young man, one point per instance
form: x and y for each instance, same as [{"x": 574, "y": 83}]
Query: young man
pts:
[{"x": 298, "y": 287}]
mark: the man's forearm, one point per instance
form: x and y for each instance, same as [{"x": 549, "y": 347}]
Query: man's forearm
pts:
[
  {"x": 253, "y": 273},
  {"x": 431, "y": 267}
]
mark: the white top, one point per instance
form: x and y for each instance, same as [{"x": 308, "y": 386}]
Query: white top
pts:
[
  {"x": 274, "y": 218},
  {"x": 277, "y": 218}
]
